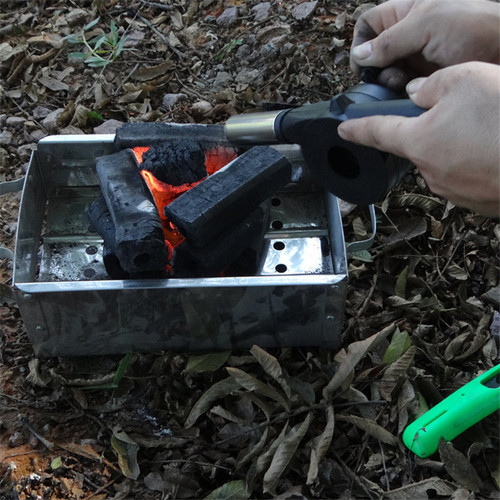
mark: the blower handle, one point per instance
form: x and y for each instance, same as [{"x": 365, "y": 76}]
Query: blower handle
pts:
[{"x": 398, "y": 107}]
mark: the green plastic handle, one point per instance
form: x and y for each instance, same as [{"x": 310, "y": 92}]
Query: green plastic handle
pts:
[{"x": 452, "y": 416}]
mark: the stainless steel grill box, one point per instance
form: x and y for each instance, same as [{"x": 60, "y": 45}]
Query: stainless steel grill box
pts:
[{"x": 70, "y": 307}]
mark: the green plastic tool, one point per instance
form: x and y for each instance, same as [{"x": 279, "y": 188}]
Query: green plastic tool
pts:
[{"x": 452, "y": 416}]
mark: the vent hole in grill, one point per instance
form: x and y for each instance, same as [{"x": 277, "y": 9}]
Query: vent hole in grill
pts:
[
  {"x": 275, "y": 202},
  {"x": 279, "y": 245},
  {"x": 89, "y": 272},
  {"x": 281, "y": 268},
  {"x": 277, "y": 224}
]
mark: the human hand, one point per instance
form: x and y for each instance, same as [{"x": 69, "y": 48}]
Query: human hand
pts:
[
  {"x": 456, "y": 143},
  {"x": 413, "y": 38}
]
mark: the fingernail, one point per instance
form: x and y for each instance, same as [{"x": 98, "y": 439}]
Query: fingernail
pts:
[
  {"x": 414, "y": 85},
  {"x": 342, "y": 132},
  {"x": 362, "y": 51}
]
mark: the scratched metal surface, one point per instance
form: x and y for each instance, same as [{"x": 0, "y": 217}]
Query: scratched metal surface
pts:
[{"x": 70, "y": 306}]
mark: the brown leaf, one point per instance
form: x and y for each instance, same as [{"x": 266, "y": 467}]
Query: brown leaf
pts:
[
  {"x": 355, "y": 352},
  {"x": 126, "y": 449},
  {"x": 459, "y": 467},
  {"x": 422, "y": 489},
  {"x": 284, "y": 453},
  {"x": 251, "y": 383},
  {"x": 152, "y": 72},
  {"x": 409, "y": 229},
  {"x": 396, "y": 373},
  {"x": 371, "y": 428},
  {"x": 320, "y": 445},
  {"x": 271, "y": 367},
  {"x": 218, "y": 390}
]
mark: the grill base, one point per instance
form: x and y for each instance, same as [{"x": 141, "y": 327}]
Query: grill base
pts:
[{"x": 71, "y": 307}]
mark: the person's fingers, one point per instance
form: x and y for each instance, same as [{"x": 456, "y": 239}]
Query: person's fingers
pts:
[
  {"x": 393, "y": 78},
  {"x": 397, "y": 42},
  {"x": 427, "y": 92},
  {"x": 374, "y": 21},
  {"x": 386, "y": 133}
]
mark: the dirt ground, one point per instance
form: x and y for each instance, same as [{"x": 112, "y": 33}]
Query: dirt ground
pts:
[{"x": 421, "y": 315}]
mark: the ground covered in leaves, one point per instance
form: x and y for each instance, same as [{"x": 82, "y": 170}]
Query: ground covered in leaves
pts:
[{"x": 421, "y": 314}]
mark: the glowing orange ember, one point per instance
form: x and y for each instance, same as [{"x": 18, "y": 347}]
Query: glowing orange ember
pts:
[
  {"x": 163, "y": 193},
  {"x": 139, "y": 151}
]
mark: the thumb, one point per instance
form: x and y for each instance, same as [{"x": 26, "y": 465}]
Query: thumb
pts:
[
  {"x": 399, "y": 41},
  {"x": 386, "y": 133},
  {"x": 427, "y": 92}
]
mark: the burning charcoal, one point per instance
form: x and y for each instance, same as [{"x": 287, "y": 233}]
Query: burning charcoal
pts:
[
  {"x": 219, "y": 254},
  {"x": 226, "y": 197},
  {"x": 139, "y": 240},
  {"x": 176, "y": 162},
  {"x": 149, "y": 134},
  {"x": 100, "y": 217}
]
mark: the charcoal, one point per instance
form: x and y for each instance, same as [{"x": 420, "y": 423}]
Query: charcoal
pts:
[
  {"x": 139, "y": 241},
  {"x": 100, "y": 217},
  {"x": 228, "y": 196},
  {"x": 216, "y": 256},
  {"x": 176, "y": 162},
  {"x": 143, "y": 134}
]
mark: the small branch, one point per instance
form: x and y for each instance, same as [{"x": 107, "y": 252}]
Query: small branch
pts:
[
  {"x": 161, "y": 36},
  {"x": 48, "y": 444}
]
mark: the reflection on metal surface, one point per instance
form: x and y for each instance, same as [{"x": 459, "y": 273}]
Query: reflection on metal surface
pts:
[{"x": 296, "y": 299}]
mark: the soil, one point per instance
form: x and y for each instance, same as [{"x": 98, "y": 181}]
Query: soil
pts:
[{"x": 421, "y": 315}]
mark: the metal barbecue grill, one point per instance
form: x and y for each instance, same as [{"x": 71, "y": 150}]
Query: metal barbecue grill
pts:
[{"x": 71, "y": 307}]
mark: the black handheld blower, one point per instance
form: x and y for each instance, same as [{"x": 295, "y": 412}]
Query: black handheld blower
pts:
[{"x": 354, "y": 173}]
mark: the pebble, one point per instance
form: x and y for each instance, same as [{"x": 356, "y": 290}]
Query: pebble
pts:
[
  {"x": 3, "y": 119},
  {"x": 170, "y": 100},
  {"x": 201, "y": 108},
  {"x": 228, "y": 17},
  {"x": 15, "y": 121},
  {"x": 71, "y": 130},
  {"x": 247, "y": 75},
  {"x": 36, "y": 135},
  {"x": 40, "y": 112},
  {"x": 268, "y": 51},
  {"x": 50, "y": 121},
  {"x": 108, "y": 127},
  {"x": 4, "y": 158},
  {"x": 261, "y": 11},
  {"x": 5, "y": 137},
  {"x": 304, "y": 10},
  {"x": 76, "y": 16},
  {"x": 25, "y": 151},
  {"x": 16, "y": 439},
  {"x": 222, "y": 79}
]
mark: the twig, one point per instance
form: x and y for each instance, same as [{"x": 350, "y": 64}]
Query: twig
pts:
[
  {"x": 441, "y": 271},
  {"x": 162, "y": 37},
  {"x": 126, "y": 79},
  {"x": 48, "y": 444},
  {"x": 304, "y": 409},
  {"x": 160, "y": 6},
  {"x": 387, "y": 484},
  {"x": 194, "y": 462},
  {"x": 366, "y": 302},
  {"x": 102, "y": 488}
]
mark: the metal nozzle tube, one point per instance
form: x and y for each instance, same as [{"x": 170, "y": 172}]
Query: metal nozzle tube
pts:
[{"x": 252, "y": 128}]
